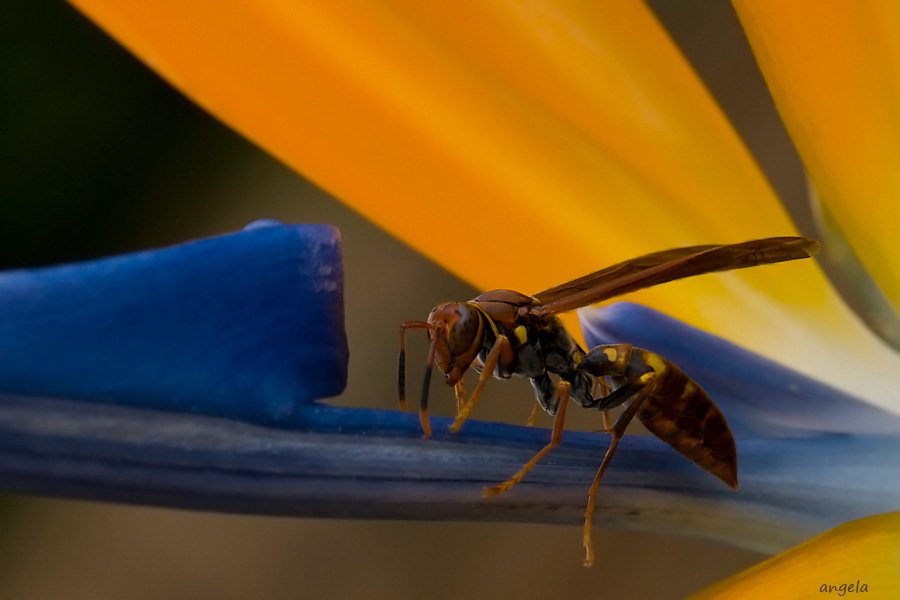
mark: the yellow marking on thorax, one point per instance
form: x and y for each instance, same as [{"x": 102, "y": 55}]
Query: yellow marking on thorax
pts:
[
  {"x": 689, "y": 389},
  {"x": 577, "y": 358},
  {"x": 611, "y": 354},
  {"x": 487, "y": 318},
  {"x": 656, "y": 363},
  {"x": 521, "y": 334}
]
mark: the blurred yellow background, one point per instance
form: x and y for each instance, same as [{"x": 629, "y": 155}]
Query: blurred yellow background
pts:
[{"x": 100, "y": 157}]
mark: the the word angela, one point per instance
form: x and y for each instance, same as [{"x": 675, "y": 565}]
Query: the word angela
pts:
[{"x": 844, "y": 588}]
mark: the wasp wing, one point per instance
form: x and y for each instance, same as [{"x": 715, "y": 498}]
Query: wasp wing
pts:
[
  {"x": 669, "y": 265},
  {"x": 618, "y": 271}
]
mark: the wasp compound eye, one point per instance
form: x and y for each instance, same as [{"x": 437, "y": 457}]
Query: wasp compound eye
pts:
[{"x": 464, "y": 329}]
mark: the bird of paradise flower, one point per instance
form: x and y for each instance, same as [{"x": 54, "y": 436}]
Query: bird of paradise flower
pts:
[{"x": 586, "y": 124}]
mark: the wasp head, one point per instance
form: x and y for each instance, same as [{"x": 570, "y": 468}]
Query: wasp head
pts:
[{"x": 457, "y": 332}]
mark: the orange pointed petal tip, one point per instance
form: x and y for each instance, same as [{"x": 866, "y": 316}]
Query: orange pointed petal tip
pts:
[
  {"x": 861, "y": 556},
  {"x": 834, "y": 71}
]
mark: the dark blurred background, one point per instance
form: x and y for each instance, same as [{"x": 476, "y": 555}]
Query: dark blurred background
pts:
[{"x": 98, "y": 156}]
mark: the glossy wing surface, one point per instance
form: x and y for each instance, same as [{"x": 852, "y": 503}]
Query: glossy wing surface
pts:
[{"x": 669, "y": 265}]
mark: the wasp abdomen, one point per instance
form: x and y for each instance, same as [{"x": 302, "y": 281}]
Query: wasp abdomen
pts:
[
  {"x": 679, "y": 412},
  {"x": 673, "y": 407}
]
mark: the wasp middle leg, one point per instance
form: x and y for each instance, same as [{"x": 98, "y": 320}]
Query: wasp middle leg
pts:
[
  {"x": 532, "y": 418},
  {"x": 562, "y": 390}
]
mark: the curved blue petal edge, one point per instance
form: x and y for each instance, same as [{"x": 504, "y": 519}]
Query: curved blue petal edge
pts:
[
  {"x": 247, "y": 325},
  {"x": 758, "y": 396},
  {"x": 359, "y": 463}
]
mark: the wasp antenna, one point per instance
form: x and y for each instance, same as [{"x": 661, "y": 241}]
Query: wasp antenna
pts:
[
  {"x": 401, "y": 370},
  {"x": 429, "y": 367},
  {"x": 401, "y": 379}
]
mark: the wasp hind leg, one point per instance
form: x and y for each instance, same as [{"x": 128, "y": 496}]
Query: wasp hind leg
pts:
[
  {"x": 613, "y": 361},
  {"x": 562, "y": 392},
  {"x": 637, "y": 393}
]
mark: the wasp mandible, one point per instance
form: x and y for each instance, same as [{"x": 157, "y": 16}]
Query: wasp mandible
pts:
[{"x": 503, "y": 333}]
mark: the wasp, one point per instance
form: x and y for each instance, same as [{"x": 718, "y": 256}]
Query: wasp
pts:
[{"x": 503, "y": 333}]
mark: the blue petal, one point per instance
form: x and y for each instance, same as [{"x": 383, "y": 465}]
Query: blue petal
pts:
[
  {"x": 375, "y": 464},
  {"x": 247, "y": 325},
  {"x": 759, "y": 397}
]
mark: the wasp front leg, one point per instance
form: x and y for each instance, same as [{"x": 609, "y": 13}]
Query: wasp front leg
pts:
[{"x": 502, "y": 353}]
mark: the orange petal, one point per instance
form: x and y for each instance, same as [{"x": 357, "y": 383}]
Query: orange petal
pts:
[
  {"x": 517, "y": 144},
  {"x": 834, "y": 70},
  {"x": 865, "y": 552}
]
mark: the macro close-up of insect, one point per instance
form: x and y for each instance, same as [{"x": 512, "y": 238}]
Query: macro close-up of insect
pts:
[
  {"x": 502, "y": 333},
  {"x": 218, "y": 217}
]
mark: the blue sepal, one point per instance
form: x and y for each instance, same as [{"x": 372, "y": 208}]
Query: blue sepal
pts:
[
  {"x": 247, "y": 325},
  {"x": 758, "y": 396}
]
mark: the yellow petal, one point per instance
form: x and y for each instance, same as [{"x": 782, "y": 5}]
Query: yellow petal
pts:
[
  {"x": 834, "y": 70},
  {"x": 865, "y": 552},
  {"x": 518, "y": 144}
]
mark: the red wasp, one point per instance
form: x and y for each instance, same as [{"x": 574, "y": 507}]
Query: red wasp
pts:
[{"x": 503, "y": 333}]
